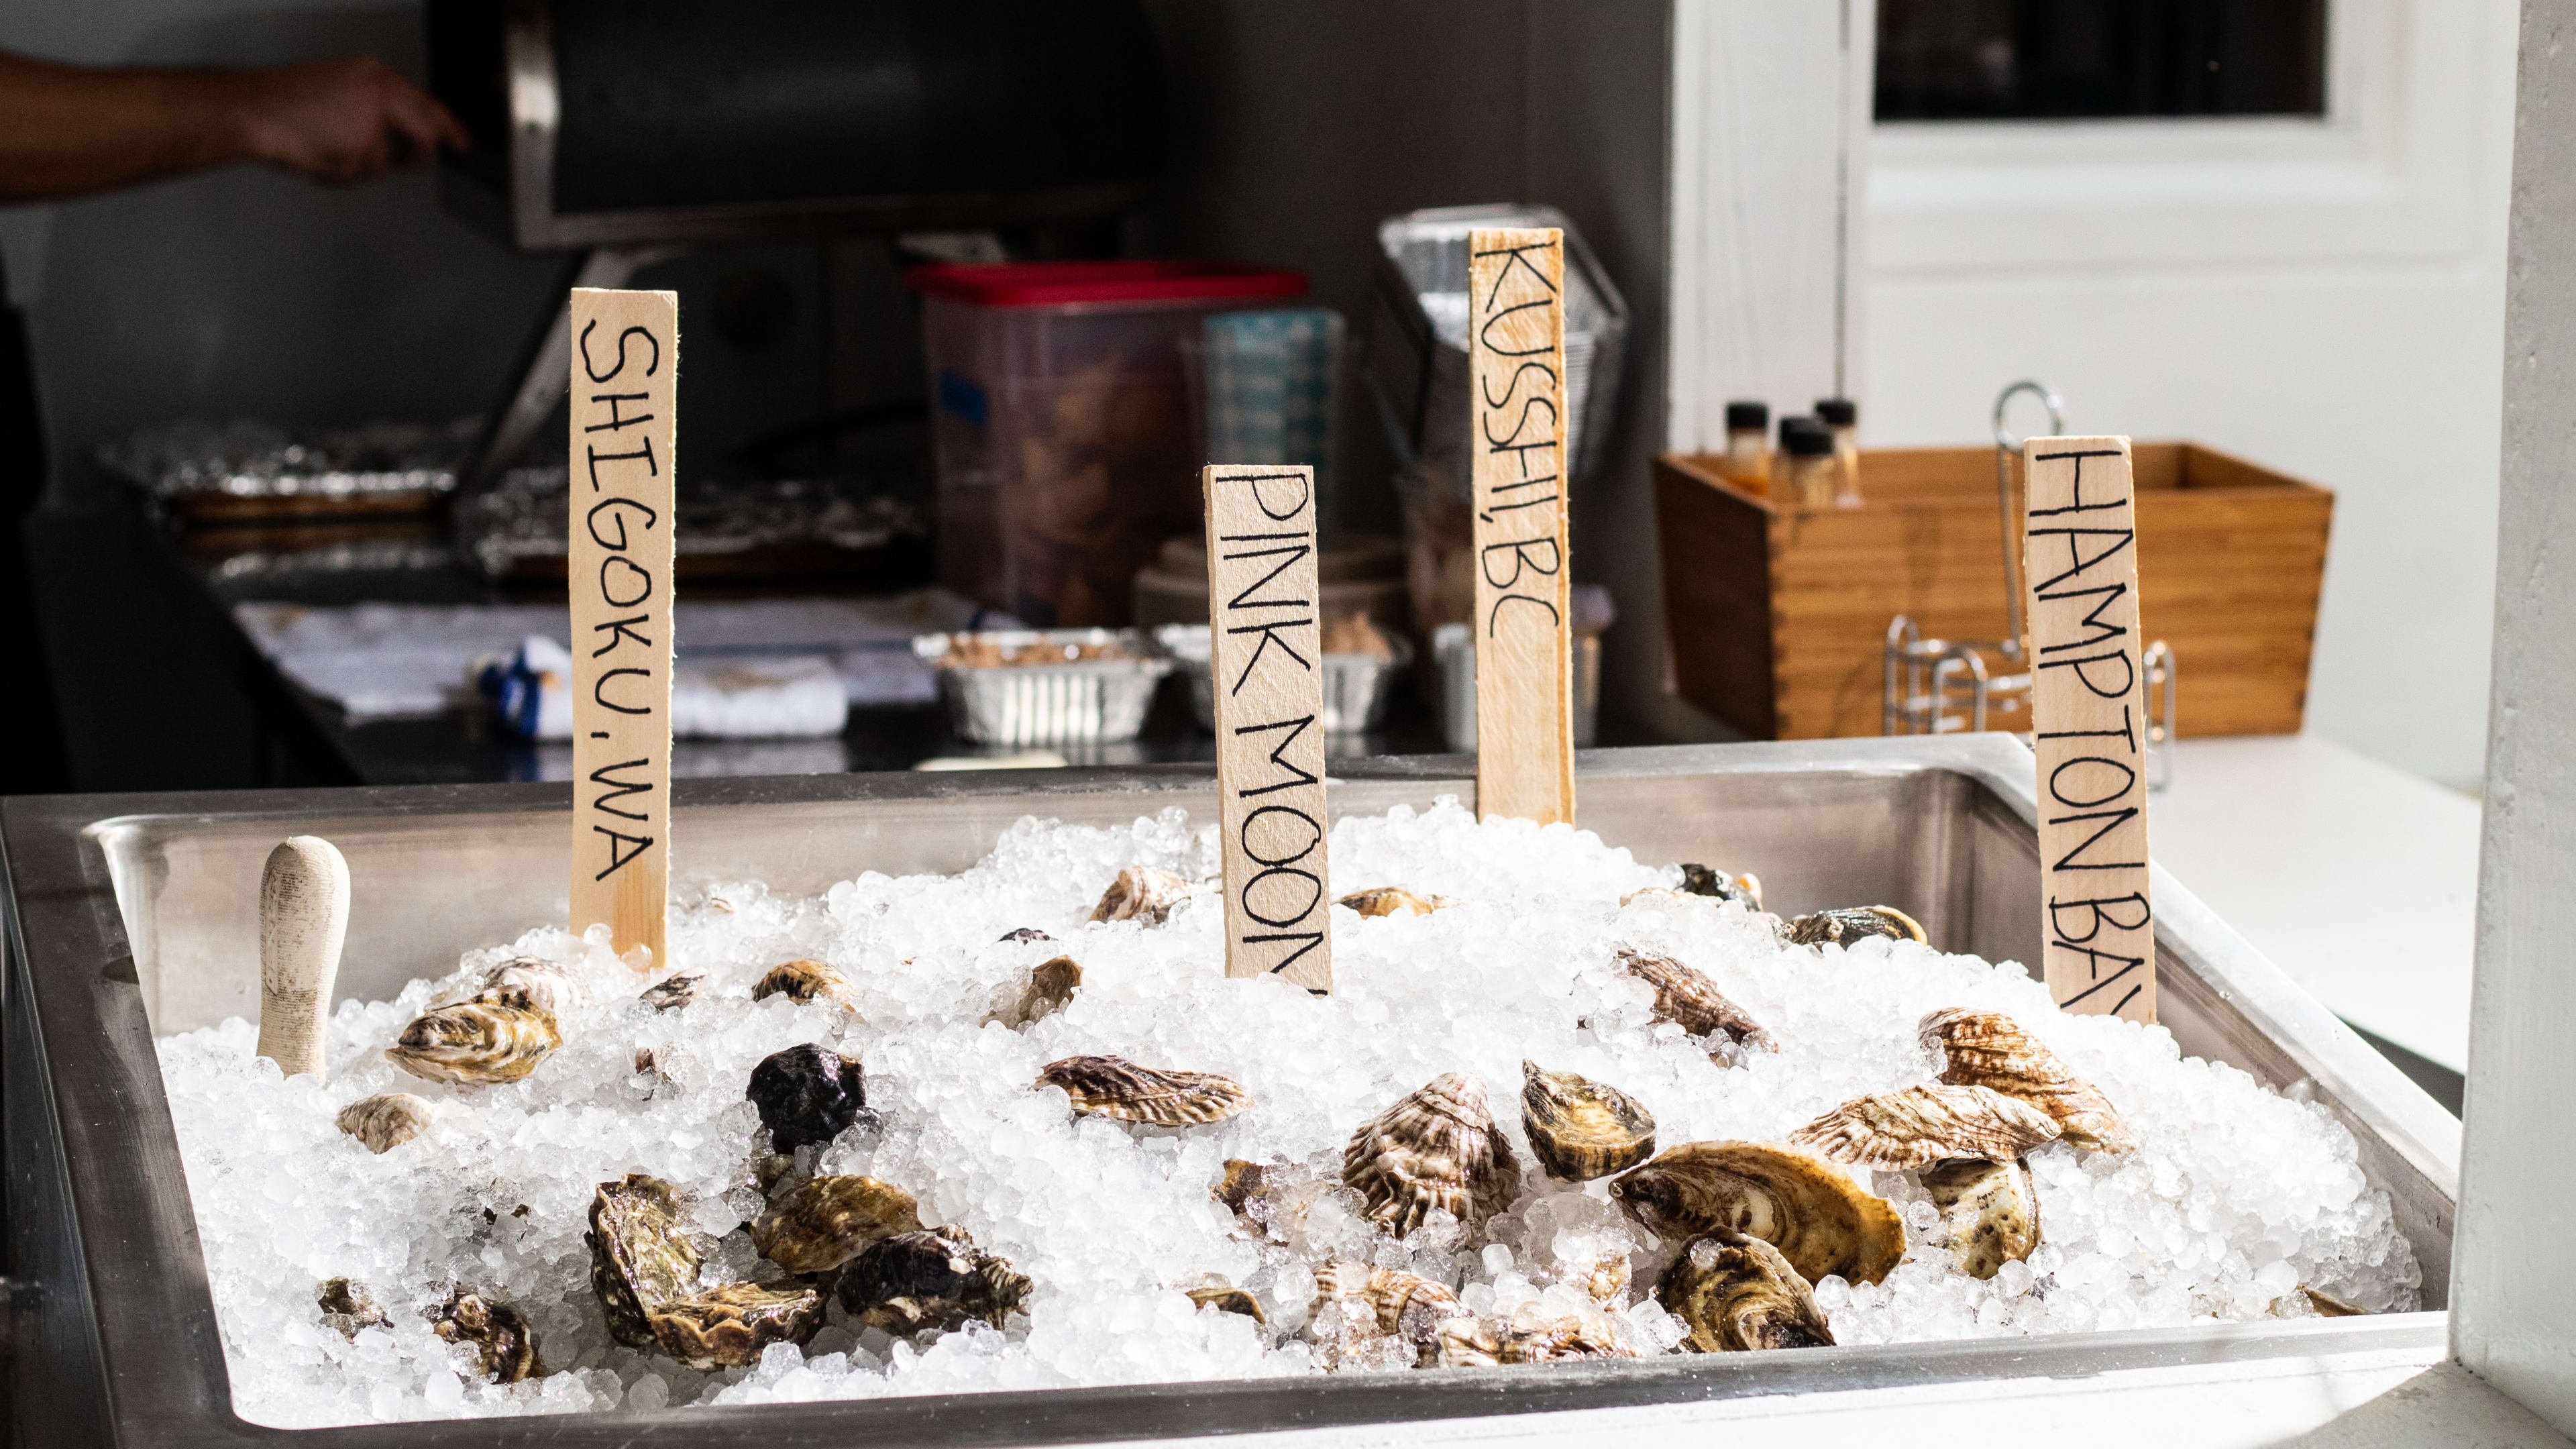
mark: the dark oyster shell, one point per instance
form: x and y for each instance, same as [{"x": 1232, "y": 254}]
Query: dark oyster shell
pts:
[
  {"x": 1048, "y": 990},
  {"x": 476, "y": 1043},
  {"x": 1849, "y": 924},
  {"x": 1026, "y": 934},
  {"x": 1687, "y": 996},
  {"x": 1226, "y": 1298},
  {"x": 1244, "y": 1184},
  {"x": 803, "y": 981},
  {"x": 1582, "y": 1129},
  {"x": 505, "y": 1348},
  {"x": 639, "y": 1257},
  {"x": 1116, "y": 1087},
  {"x": 807, "y": 1094},
  {"x": 728, "y": 1327},
  {"x": 1701, "y": 880},
  {"x": 1737, "y": 1293},
  {"x": 824, "y": 1222},
  {"x": 932, "y": 1279},
  {"x": 347, "y": 1307},
  {"x": 673, "y": 991}
]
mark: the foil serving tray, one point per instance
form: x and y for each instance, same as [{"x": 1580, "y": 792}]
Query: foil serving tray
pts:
[{"x": 136, "y": 914}]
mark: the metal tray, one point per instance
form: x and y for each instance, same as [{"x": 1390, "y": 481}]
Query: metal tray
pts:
[{"x": 127, "y": 914}]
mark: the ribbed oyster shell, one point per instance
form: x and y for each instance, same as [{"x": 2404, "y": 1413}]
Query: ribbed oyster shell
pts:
[
  {"x": 1392, "y": 900},
  {"x": 1690, "y": 998},
  {"x": 673, "y": 991},
  {"x": 1389, "y": 1301},
  {"x": 1849, "y": 924},
  {"x": 1581, "y": 1129},
  {"x": 475, "y": 1043},
  {"x": 1226, "y": 1298},
  {"x": 1737, "y": 1293},
  {"x": 1991, "y": 1208},
  {"x": 1023, "y": 935},
  {"x": 1437, "y": 1148},
  {"x": 384, "y": 1121},
  {"x": 807, "y": 1094},
  {"x": 1117, "y": 1087},
  {"x": 729, "y": 1326},
  {"x": 1048, "y": 990},
  {"x": 1141, "y": 894},
  {"x": 1818, "y": 1218},
  {"x": 824, "y": 1222},
  {"x": 1921, "y": 1125},
  {"x": 803, "y": 981},
  {"x": 527, "y": 981},
  {"x": 937, "y": 1278},
  {"x": 347, "y": 1307},
  {"x": 640, "y": 1258},
  {"x": 1990, "y": 1049},
  {"x": 504, "y": 1345},
  {"x": 1526, "y": 1338},
  {"x": 2329, "y": 1306},
  {"x": 1745, "y": 890}
]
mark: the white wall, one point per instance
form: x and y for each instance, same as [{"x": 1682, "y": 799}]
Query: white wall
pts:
[{"x": 2326, "y": 298}]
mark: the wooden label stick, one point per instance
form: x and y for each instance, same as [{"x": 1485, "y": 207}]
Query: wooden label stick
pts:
[
  {"x": 1265, "y": 657},
  {"x": 2088, "y": 700},
  {"x": 1516, "y": 403},
  {"x": 625, "y": 395}
]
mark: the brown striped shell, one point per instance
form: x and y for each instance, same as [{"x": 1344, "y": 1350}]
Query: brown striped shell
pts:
[
  {"x": 1436, "y": 1149},
  {"x": 1687, "y": 996},
  {"x": 1850, "y": 925},
  {"x": 505, "y": 1347},
  {"x": 475, "y": 1043},
  {"x": 640, "y": 1257},
  {"x": 729, "y": 1326},
  {"x": 531, "y": 982},
  {"x": 1739, "y": 1293},
  {"x": 1526, "y": 1338},
  {"x": 1116, "y": 1087},
  {"x": 384, "y": 1121},
  {"x": 804, "y": 981},
  {"x": 1991, "y": 1209},
  {"x": 348, "y": 1307},
  {"x": 1990, "y": 1049},
  {"x": 1226, "y": 1298},
  {"x": 823, "y": 1222},
  {"x": 933, "y": 1279},
  {"x": 1391, "y": 1302},
  {"x": 1393, "y": 900},
  {"x": 1920, "y": 1125},
  {"x": 673, "y": 991},
  {"x": 1581, "y": 1129},
  {"x": 1141, "y": 894},
  {"x": 1812, "y": 1211},
  {"x": 1048, "y": 990}
]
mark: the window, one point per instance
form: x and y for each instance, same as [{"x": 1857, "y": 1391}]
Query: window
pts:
[{"x": 1979, "y": 60}]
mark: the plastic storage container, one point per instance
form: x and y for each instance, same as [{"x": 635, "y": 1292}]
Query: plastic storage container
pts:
[{"x": 1060, "y": 422}]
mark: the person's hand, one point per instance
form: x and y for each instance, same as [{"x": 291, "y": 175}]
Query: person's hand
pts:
[{"x": 337, "y": 121}]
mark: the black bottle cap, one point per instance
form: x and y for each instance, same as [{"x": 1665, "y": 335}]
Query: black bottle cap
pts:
[
  {"x": 1805, "y": 438},
  {"x": 1837, "y": 412},
  {"x": 1754, "y": 415}
]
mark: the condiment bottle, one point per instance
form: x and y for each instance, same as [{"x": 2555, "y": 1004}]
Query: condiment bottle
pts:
[
  {"x": 1748, "y": 445},
  {"x": 1806, "y": 462},
  {"x": 1842, "y": 416}
]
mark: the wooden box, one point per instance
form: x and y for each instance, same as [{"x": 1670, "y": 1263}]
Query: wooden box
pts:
[{"x": 1777, "y": 613}]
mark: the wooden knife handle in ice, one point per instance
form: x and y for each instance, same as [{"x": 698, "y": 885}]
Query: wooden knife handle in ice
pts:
[{"x": 303, "y": 919}]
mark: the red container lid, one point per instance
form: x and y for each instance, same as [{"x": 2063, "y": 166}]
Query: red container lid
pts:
[{"x": 1055, "y": 284}]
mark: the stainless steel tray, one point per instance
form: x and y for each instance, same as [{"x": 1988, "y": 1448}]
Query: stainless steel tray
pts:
[{"x": 127, "y": 914}]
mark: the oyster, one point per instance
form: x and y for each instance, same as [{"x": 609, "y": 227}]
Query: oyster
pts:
[
  {"x": 1377, "y": 1302},
  {"x": 347, "y": 1307},
  {"x": 1581, "y": 1129},
  {"x": 673, "y": 991},
  {"x": 803, "y": 981},
  {"x": 1737, "y": 1293},
  {"x": 1226, "y": 1298},
  {"x": 1690, "y": 998},
  {"x": 807, "y": 1094},
  {"x": 384, "y": 1121},
  {"x": 640, "y": 1258},
  {"x": 1818, "y": 1218},
  {"x": 1606, "y": 1281},
  {"x": 504, "y": 1346},
  {"x": 2329, "y": 1306},
  {"x": 1438, "y": 1148},
  {"x": 530, "y": 983},
  {"x": 1992, "y": 1209},
  {"x": 1025, "y": 934},
  {"x": 1525, "y": 1338},
  {"x": 475, "y": 1043},
  {"x": 936, "y": 1278},
  {"x": 1852, "y": 924},
  {"x": 1921, "y": 1125},
  {"x": 1050, "y": 987},
  {"x": 1990, "y": 1049},
  {"x": 1700, "y": 880},
  {"x": 728, "y": 1327},
  {"x": 1391, "y": 900},
  {"x": 1117, "y": 1087},
  {"x": 826, "y": 1221},
  {"x": 1141, "y": 894}
]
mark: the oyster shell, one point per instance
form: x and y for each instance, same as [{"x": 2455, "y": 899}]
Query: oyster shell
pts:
[
  {"x": 1392, "y": 900},
  {"x": 1921, "y": 1125},
  {"x": 475, "y": 1043},
  {"x": 530, "y": 983},
  {"x": 804, "y": 981},
  {"x": 1737, "y": 1293},
  {"x": 1244, "y": 1184},
  {"x": 1226, "y": 1298},
  {"x": 1437, "y": 1148},
  {"x": 1992, "y": 1209},
  {"x": 1701, "y": 880},
  {"x": 1690, "y": 998},
  {"x": 1818, "y": 1218},
  {"x": 1117, "y": 1087},
  {"x": 2329, "y": 1306},
  {"x": 1378, "y": 1302},
  {"x": 807, "y": 1094},
  {"x": 384, "y": 1121},
  {"x": 1990, "y": 1049},
  {"x": 1526, "y": 1338},
  {"x": 1850, "y": 924},
  {"x": 936, "y": 1278},
  {"x": 1141, "y": 894},
  {"x": 1050, "y": 987},
  {"x": 640, "y": 1258},
  {"x": 1025, "y": 934},
  {"x": 728, "y": 1327},
  {"x": 347, "y": 1307},
  {"x": 673, "y": 991},
  {"x": 1581, "y": 1129},
  {"x": 1606, "y": 1281},
  {"x": 505, "y": 1348},
  {"x": 824, "y": 1222}
]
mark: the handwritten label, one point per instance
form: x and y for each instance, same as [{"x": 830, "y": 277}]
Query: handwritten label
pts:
[
  {"x": 625, "y": 376},
  {"x": 2089, "y": 717},
  {"x": 1516, "y": 399},
  {"x": 1265, "y": 659}
]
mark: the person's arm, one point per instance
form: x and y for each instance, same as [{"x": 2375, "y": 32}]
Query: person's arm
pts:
[{"x": 67, "y": 130}]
